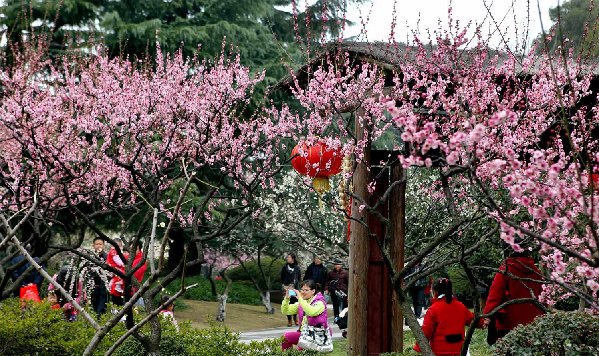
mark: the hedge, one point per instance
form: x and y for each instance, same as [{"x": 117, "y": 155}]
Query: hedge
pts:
[
  {"x": 40, "y": 330},
  {"x": 559, "y": 333}
]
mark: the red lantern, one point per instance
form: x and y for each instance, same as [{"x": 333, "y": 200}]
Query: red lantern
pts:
[{"x": 318, "y": 162}]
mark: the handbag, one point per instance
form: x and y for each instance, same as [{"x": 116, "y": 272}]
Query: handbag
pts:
[
  {"x": 29, "y": 292},
  {"x": 316, "y": 339},
  {"x": 492, "y": 332}
]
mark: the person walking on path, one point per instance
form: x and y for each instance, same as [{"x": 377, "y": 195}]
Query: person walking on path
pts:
[
  {"x": 316, "y": 271},
  {"x": 427, "y": 292},
  {"x": 518, "y": 277},
  {"x": 336, "y": 286},
  {"x": 416, "y": 290},
  {"x": 290, "y": 278},
  {"x": 311, "y": 308},
  {"x": 444, "y": 321}
]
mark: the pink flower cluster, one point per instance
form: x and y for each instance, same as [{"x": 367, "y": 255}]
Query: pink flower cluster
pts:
[
  {"x": 111, "y": 130},
  {"x": 518, "y": 126}
]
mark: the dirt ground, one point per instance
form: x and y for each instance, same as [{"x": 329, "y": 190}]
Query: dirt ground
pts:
[{"x": 240, "y": 317}]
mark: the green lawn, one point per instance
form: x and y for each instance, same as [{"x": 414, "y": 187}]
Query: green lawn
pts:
[{"x": 478, "y": 346}]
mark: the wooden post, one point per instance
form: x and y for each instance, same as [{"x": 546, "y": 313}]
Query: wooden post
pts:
[
  {"x": 397, "y": 215},
  {"x": 358, "y": 257}
]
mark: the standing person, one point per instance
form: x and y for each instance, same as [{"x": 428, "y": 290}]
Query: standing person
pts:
[
  {"x": 116, "y": 286},
  {"x": 140, "y": 273},
  {"x": 311, "y": 308},
  {"x": 336, "y": 286},
  {"x": 444, "y": 321},
  {"x": 290, "y": 278},
  {"x": 427, "y": 292},
  {"x": 518, "y": 277},
  {"x": 99, "y": 296},
  {"x": 33, "y": 277},
  {"x": 416, "y": 290},
  {"x": 316, "y": 271}
]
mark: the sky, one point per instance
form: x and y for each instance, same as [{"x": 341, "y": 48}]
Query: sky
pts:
[{"x": 414, "y": 15}]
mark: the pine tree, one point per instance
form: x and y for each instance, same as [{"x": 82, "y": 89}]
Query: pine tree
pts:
[{"x": 571, "y": 19}]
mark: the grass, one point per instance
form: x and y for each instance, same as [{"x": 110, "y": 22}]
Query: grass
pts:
[
  {"x": 478, "y": 346},
  {"x": 243, "y": 317},
  {"x": 240, "y": 293},
  {"x": 240, "y": 317}
]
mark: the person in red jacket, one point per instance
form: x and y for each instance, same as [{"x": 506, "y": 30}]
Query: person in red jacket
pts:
[
  {"x": 445, "y": 320},
  {"x": 139, "y": 274},
  {"x": 518, "y": 277},
  {"x": 117, "y": 284}
]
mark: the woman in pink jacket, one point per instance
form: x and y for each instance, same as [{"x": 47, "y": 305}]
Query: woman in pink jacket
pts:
[{"x": 311, "y": 309}]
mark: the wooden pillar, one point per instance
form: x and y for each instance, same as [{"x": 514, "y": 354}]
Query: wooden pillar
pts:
[
  {"x": 380, "y": 288},
  {"x": 358, "y": 258},
  {"x": 397, "y": 215}
]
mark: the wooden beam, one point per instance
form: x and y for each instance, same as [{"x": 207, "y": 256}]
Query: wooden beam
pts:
[
  {"x": 358, "y": 256},
  {"x": 397, "y": 215}
]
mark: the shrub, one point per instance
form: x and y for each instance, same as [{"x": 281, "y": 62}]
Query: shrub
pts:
[
  {"x": 240, "y": 293},
  {"x": 568, "y": 304},
  {"x": 40, "y": 330},
  {"x": 560, "y": 333},
  {"x": 238, "y": 273},
  {"x": 217, "y": 341}
]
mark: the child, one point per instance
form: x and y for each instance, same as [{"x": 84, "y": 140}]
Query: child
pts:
[
  {"x": 167, "y": 311},
  {"x": 53, "y": 300},
  {"x": 444, "y": 321}
]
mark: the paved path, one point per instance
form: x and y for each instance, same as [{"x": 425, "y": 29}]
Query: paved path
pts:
[{"x": 260, "y": 335}]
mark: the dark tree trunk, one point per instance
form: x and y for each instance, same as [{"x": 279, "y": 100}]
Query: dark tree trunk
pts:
[{"x": 176, "y": 246}]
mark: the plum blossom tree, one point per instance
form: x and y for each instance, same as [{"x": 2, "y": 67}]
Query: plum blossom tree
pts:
[
  {"x": 527, "y": 127},
  {"x": 92, "y": 137},
  {"x": 286, "y": 216},
  {"x": 219, "y": 262},
  {"x": 296, "y": 219},
  {"x": 514, "y": 137}
]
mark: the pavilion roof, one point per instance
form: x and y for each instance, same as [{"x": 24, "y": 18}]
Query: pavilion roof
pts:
[{"x": 387, "y": 56}]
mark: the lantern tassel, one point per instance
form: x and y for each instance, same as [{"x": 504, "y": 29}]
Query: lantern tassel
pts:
[{"x": 321, "y": 185}]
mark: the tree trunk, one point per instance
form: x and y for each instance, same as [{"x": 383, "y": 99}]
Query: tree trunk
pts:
[
  {"x": 176, "y": 245},
  {"x": 267, "y": 303},
  {"x": 221, "y": 313}
]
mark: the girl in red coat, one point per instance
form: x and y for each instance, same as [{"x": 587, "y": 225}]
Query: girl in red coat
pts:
[{"x": 445, "y": 320}]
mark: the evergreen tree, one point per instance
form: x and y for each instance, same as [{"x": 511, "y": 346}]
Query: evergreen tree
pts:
[
  {"x": 571, "y": 19},
  {"x": 261, "y": 31},
  {"x": 67, "y": 22}
]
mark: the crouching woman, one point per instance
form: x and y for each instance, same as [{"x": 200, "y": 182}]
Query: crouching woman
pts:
[
  {"x": 311, "y": 309},
  {"x": 444, "y": 321}
]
